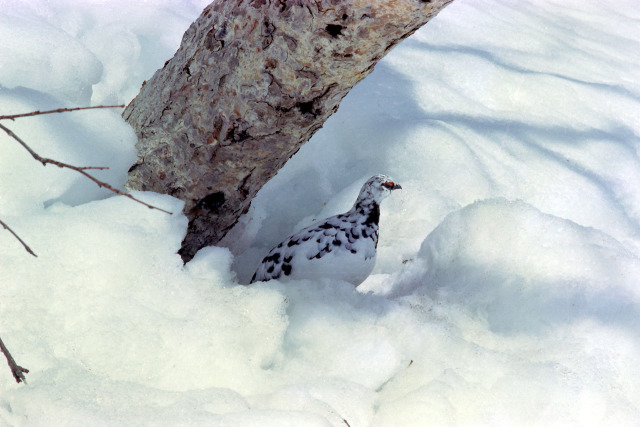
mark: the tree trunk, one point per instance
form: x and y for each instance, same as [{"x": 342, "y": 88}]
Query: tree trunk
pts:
[{"x": 252, "y": 81}]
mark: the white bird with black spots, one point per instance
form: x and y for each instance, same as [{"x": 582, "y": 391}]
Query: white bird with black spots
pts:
[{"x": 340, "y": 247}]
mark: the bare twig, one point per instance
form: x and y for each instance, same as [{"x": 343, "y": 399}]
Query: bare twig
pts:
[
  {"x": 17, "y": 370},
  {"x": 27, "y": 248},
  {"x": 59, "y": 110},
  {"x": 80, "y": 169}
]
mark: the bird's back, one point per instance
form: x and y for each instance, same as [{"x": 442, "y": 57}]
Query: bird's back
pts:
[{"x": 341, "y": 247}]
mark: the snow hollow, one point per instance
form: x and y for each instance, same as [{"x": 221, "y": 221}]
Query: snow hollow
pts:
[{"x": 506, "y": 290}]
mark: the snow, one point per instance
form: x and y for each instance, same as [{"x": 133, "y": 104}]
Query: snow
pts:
[{"x": 506, "y": 289}]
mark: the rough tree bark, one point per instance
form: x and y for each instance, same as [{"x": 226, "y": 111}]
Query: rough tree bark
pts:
[{"x": 252, "y": 81}]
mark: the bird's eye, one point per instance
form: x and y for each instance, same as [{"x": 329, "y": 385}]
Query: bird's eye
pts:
[{"x": 388, "y": 184}]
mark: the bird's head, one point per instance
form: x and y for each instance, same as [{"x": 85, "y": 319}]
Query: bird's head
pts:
[{"x": 377, "y": 188}]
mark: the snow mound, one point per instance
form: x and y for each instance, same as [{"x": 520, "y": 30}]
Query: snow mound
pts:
[
  {"x": 46, "y": 59},
  {"x": 80, "y": 138},
  {"x": 522, "y": 269}
]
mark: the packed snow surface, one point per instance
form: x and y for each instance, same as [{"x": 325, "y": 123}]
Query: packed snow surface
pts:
[{"x": 507, "y": 285}]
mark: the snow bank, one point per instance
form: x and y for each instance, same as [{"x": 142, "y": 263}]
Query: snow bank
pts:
[
  {"x": 521, "y": 270},
  {"x": 83, "y": 138},
  {"x": 531, "y": 317},
  {"x": 116, "y": 318},
  {"x": 89, "y": 51},
  {"x": 45, "y": 58}
]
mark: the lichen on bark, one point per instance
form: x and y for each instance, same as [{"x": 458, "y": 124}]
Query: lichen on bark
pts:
[{"x": 252, "y": 81}]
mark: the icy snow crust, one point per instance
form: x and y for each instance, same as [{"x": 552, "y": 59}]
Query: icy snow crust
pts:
[{"x": 506, "y": 288}]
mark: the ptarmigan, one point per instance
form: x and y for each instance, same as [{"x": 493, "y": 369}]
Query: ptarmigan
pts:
[{"x": 340, "y": 247}]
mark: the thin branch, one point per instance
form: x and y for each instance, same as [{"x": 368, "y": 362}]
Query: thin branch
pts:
[
  {"x": 59, "y": 110},
  {"x": 17, "y": 370},
  {"x": 27, "y": 248},
  {"x": 80, "y": 169}
]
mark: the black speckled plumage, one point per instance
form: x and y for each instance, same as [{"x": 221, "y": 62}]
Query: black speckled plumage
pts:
[{"x": 340, "y": 247}]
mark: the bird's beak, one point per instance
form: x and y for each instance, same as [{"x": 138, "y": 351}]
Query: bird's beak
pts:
[{"x": 396, "y": 186}]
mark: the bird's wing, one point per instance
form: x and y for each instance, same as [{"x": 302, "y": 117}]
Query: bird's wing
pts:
[
  {"x": 314, "y": 241},
  {"x": 334, "y": 233}
]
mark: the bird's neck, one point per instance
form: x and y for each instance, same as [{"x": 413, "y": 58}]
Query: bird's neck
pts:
[{"x": 369, "y": 210}]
